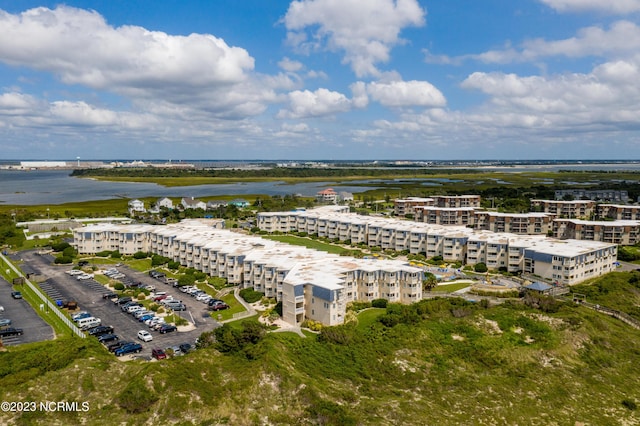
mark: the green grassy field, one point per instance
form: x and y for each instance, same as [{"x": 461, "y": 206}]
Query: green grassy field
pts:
[
  {"x": 450, "y": 288},
  {"x": 306, "y": 242}
]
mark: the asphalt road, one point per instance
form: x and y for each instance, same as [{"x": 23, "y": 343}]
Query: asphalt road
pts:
[
  {"x": 22, "y": 316},
  {"x": 88, "y": 295}
]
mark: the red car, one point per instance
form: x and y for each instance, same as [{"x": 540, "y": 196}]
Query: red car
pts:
[
  {"x": 158, "y": 354},
  {"x": 159, "y": 298}
]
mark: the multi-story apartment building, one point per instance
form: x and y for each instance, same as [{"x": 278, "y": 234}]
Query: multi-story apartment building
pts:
[
  {"x": 497, "y": 250},
  {"x": 625, "y": 232},
  {"x": 516, "y": 223},
  {"x": 460, "y": 216},
  {"x": 311, "y": 284},
  {"x": 456, "y": 201},
  {"x": 617, "y": 212},
  {"x": 571, "y": 209},
  {"x": 597, "y": 194},
  {"x": 405, "y": 206},
  {"x": 569, "y": 262}
]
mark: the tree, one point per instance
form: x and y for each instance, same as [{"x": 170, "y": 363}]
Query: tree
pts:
[
  {"x": 429, "y": 282},
  {"x": 481, "y": 268}
]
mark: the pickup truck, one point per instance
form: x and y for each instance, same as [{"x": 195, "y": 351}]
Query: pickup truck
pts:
[{"x": 128, "y": 349}]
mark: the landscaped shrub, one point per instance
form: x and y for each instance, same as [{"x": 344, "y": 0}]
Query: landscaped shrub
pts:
[
  {"x": 173, "y": 265},
  {"x": 358, "y": 306},
  {"x": 69, "y": 252},
  {"x": 104, "y": 253},
  {"x": 186, "y": 280},
  {"x": 63, "y": 260},
  {"x": 119, "y": 286},
  {"x": 379, "y": 303},
  {"x": 159, "y": 260},
  {"x": 250, "y": 295},
  {"x": 116, "y": 255},
  {"x": 140, "y": 255},
  {"x": 60, "y": 246},
  {"x": 480, "y": 268}
]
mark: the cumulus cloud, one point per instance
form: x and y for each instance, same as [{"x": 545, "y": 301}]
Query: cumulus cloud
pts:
[
  {"x": 364, "y": 30},
  {"x": 606, "y": 6},
  {"x": 81, "y": 48},
  {"x": 406, "y": 93},
  {"x": 322, "y": 102}
]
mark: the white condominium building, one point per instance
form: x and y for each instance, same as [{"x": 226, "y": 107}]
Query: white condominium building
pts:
[
  {"x": 498, "y": 250},
  {"x": 516, "y": 223},
  {"x": 311, "y": 284},
  {"x": 625, "y": 232},
  {"x": 461, "y": 216},
  {"x": 571, "y": 209}
]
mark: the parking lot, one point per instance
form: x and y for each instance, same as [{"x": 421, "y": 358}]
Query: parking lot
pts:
[
  {"x": 22, "y": 315},
  {"x": 88, "y": 294}
]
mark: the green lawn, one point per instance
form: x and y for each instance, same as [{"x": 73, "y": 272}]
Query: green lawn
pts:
[
  {"x": 450, "y": 288},
  {"x": 368, "y": 317},
  {"x": 234, "y": 308},
  {"x": 306, "y": 242}
]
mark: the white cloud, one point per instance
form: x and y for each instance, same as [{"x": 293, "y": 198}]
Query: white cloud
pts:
[
  {"x": 290, "y": 65},
  {"x": 606, "y": 6},
  {"x": 364, "y": 30},
  {"x": 406, "y": 93},
  {"x": 149, "y": 67},
  {"x": 322, "y": 102},
  {"x": 360, "y": 98},
  {"x": 620, "y": 40}
]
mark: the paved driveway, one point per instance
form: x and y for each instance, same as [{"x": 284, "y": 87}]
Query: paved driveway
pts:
[
  {"x": 22, "y": 316},
  {"x": 88, "y": 295}
]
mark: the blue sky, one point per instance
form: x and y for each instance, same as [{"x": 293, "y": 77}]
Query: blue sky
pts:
[{"x": 320, "y": 79}]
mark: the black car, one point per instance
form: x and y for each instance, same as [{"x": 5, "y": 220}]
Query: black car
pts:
[
  {"x": 167, "y": 328},
  {"x": 10, "y": 331},
  {"x": 100, "y": 330},
  {"x": 112, "y": 347},
  {"x": 185, "y": 347},
  {"x": 16, "y": 295},
  {"x": 109, "y": 295},
  {"x": 213, "y": 301},
  {"x": 105, "y": 338},
  {"x": 122, "y": 300}
]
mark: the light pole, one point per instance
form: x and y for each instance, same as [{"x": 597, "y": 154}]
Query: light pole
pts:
[{"x": 47, "y": 213}]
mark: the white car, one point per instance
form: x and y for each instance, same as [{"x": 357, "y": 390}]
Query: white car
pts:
[
  {"x": 145, "y": 336},
  {"x": 202, "y": 296},
  {"x": 1, "y": 308},
  {"x": 74, "y": 272}
]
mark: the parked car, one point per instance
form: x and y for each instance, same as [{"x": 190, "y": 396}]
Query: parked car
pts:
[
  {"x": 5, "y": 322},
  {"x": 185, "y": 347},
  {"x": 218, "y": 306},
  {"x": 10, "y": 331},
  {"x": 160, "y": 297},
  {"x": 110, "y": 295},
  {"x": 121, "y": 301},
  {"x": 113, "y": 346},
  {"x": 1, "y": 308},
  {"x": 105, "y": 338},
  {"x": 145, "y": 336},
  {"x": 141, "y": 313},
  {"x": 134, "y": 308},
  {"x": 128, "y": 349},
  {"x": 203, "y": 296},
  {"x": 175, "y": 351},
  {"x": 80, "y": 315},
  {"x": 145, "y": 317},
  {"x": 16, "y": 295},
  {"x": 213, "y": 301},
  {"x": 100, "y": 330},
  {"x": 157, "y": 326},
  {"x": 158, "y": 354},
  {"x": 167, "y": 328}
]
